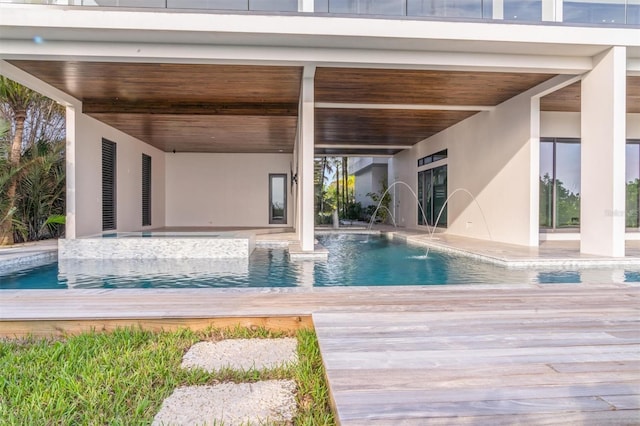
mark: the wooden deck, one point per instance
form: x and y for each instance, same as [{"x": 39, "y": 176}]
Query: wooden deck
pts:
[
  {"x": 552, "y": 356},
  {"x": 507, "y": 354}
]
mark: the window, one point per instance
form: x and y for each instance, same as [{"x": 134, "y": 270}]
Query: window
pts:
[
  {"x": 450, "y": 8},
  {"x": 440, "y": 155},
  {"x": 267, "y": 5},
  {"x": 108, "y": 185},
  {"x": 432, "y": 195},
  {"x": 559, "y": 183},
  {"x": 633, "y": 184},
  {"x": 633, "y": 12},
  {"x": 277, "y": 198},
  {"x": 366, "y": 7},
  {"x": 594, "y": 11},
  {"x": 146, "y": 190},
  {"x": 523, "y": 10}
]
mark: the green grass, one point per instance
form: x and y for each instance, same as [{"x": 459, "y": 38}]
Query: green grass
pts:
[{"x": 122, "y": 377}]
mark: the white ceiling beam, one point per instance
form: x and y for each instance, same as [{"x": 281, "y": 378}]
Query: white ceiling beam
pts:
[{"x": 294, "y": 56}]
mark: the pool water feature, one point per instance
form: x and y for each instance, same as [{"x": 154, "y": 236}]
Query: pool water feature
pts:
[{"x": 354, "y": 260}]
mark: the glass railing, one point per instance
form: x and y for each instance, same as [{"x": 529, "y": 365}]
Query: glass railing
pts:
[{"x": 594, "y": 12}]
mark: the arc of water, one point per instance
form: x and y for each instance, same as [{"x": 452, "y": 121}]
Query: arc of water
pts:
[
  {"x": 435, "y": 225},
  {"x": 375, "y": 212},
  {"x": 393, "y": 219}
]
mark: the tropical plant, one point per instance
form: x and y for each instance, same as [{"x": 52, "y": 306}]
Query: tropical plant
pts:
[
  {"x": 381, "y": 201},
  {"x": 31, "y": 152},
  {"x": 41, "y": 192}
]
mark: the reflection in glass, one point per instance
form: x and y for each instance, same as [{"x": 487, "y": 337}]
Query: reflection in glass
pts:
[
  {"x": 209, "y": 4},
  {"x": 263, "y": 5},
  {"x": 440, "y": 195},
  {"x": 321, "y": 6},
  {"x": 594, "y": 11},
  {"x": 546, "y": 184},
  {"x": 567, "y": 182},
  {"x": 632, "y": 184},
  {"x": 369, "y": 7},
  {"x": 446, "y": 8},
  {"x": 432, "y": 195},
  {"x": 560, "y": 183},
  {"x": 127, "y": 3},
  {"x": 523, "y": 10},
  {"x": 274, "y": 5},
  {"x": 633, "y": 12},
  {"x": 278, "y": 198}
]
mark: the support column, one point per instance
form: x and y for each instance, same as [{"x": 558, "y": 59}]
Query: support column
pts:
[
  {"x": 549, "y": 10},
  {"x": 603, "y": 128},
  {"x": 70, "y": 173},
  {"x": 305, "y": 5},
  {"x": 498, "y": 9},
  {"x": 305, "y": 160}
]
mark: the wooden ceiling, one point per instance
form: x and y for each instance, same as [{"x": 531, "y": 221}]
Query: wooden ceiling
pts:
[
  {"x": 248, "y": 108},
  {"x": 186, "y": 107},
  {"x": 396, "y": 127},
  {"x": 568, "y": 98},
  {"x": 385, "y": 86}
]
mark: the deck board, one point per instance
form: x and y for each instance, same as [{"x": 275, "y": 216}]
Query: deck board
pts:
[
  {"x": 544, "y": 358},
  {"x": 499, "y": 355}
]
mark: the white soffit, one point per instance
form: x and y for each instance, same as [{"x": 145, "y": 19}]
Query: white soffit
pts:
[{"x": 163, "y": 26}]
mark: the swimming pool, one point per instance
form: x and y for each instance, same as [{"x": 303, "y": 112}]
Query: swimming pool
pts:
[{"x": 354, "y": 260}]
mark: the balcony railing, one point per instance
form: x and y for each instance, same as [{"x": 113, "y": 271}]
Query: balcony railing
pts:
[{"x": 597, "y": 12}]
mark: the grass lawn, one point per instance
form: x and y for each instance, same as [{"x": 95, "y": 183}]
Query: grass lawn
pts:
[{"x": 122, "y": 377}]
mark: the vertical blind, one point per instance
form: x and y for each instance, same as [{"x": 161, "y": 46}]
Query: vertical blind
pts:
[
  {"x": 146, "y": 190},
  {"x": 108, "y": 185}
]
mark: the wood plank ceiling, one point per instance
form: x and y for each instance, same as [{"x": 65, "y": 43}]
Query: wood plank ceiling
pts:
[
  {"x": 185, "y": 107},
  {"x": 568, "y": 99},
  {"x": 248, "y": 108},
  {"x": 443, "y": 92}
]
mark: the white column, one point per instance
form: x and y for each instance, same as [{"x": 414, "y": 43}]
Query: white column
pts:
[
  {"x": 603, "y": 128},
  {"x": 549, "y": 10},
  {"x": 305, "y": 5},
  {"x": 498, "y": 9},
  {"x": 70, "y": 155},
  {"x": 305, "y": 162}
]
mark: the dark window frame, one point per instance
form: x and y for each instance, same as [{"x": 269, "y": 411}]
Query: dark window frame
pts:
[
  {"x": 427, "y": 197},
  {"x": 554, "y": 177},
  {"x": 272, "y": 220},
  {"x": 432, "y": 158}
]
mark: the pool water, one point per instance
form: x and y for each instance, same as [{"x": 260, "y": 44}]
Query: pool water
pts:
[{"x": 354, "y": 260}]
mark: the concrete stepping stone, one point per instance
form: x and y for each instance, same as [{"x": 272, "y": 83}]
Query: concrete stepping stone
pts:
[
  {"x": 241, "y": 354},
  {"x": 265, "y": 402}
]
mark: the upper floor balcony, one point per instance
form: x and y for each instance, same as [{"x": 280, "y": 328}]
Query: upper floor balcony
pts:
[{"x": 576, "y": 12}]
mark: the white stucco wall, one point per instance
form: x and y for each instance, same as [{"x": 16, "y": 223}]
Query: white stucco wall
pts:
[
  {"x": 222, "y": 189},
  {"x": 369, "y": 180},
  {"x": 492, "y": 155},
  {"x": 567, "y": 125},
  {"x": 88, "y": 137}
]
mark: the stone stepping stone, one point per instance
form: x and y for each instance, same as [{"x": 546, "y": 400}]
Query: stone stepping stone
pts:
[
  {"x": 265, "y": 402},
  {"x": 242, "y": 354}
]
